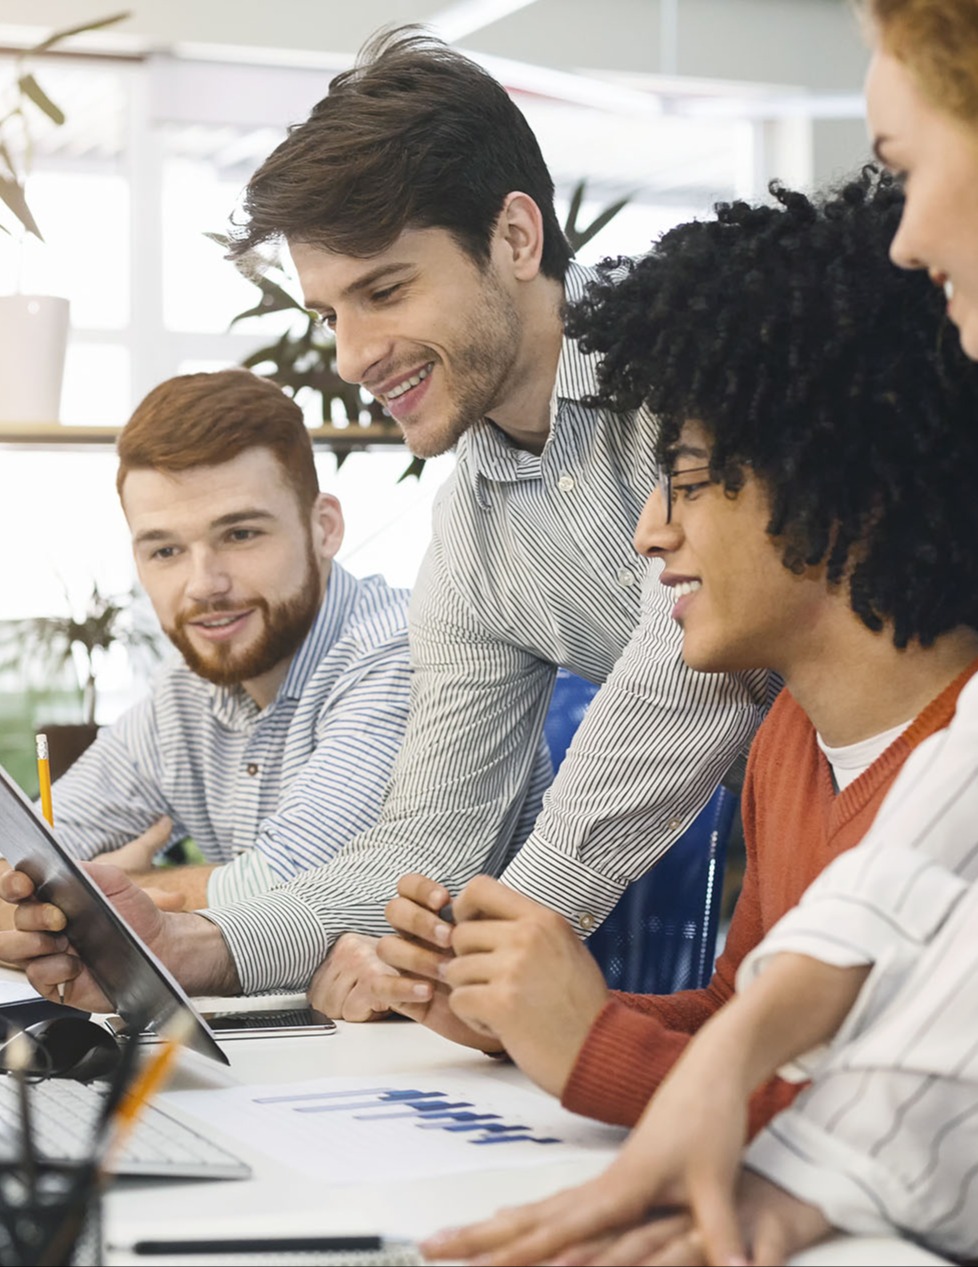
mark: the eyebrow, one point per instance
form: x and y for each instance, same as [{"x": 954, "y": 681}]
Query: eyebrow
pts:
[
  {"x": 230, "y": 520},
  {"x": 364, "y": 282},
  {"x": 687, "y": 451}
]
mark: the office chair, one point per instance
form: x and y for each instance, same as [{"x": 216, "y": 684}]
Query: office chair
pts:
[{"x": 661, "y": 936}]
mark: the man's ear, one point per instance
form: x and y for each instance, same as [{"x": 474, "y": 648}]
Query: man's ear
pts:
[
  {"x": 518, "y": 235},
  {"x": 327, "y": 526}
]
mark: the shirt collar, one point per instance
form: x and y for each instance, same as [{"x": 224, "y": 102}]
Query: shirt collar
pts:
[
  {"x": 233, "y": 705},
  {"x": 491, "y": 454}
]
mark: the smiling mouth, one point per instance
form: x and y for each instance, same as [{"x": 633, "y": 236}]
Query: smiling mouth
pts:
[
  {"x": 684, "y": 588},
  {"x": 412, "y": 381}
]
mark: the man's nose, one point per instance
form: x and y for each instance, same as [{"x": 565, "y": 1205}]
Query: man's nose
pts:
[
  {"x": 361, "y": 345},
  {"x": 653, "y": 536},
  {"x": 209, "y": 577}
]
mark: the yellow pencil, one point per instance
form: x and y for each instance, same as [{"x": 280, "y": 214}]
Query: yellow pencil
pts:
[
  {"x": 44, "y": 777},
  {"x": 149, "y": 1081},
  {"x": 47, "y": 804}
]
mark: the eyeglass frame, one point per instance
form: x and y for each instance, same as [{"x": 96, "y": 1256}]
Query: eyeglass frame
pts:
[{"x": 670, "y": 492}]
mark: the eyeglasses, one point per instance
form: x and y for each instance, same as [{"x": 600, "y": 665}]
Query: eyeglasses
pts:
[{"x": 671, "y": 490}]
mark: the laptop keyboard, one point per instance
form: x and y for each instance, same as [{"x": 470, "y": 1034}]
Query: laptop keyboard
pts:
[{"x": 64, "y": 1114}]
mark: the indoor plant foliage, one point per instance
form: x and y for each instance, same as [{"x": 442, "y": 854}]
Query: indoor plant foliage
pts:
[
  {"x": 46, "y": 645},
  {"x": 24, "y": 103}
]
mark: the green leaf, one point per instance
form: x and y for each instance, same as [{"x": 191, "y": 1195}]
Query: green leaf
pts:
[{"x": 31, "y": 89}]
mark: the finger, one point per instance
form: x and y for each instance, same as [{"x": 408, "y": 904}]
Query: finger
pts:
[
  {"x": 486, "y": 898},
  {"x": 15, "y": 886},
  {"x": 421, "y": 891},
  {"x": 411, "y": 920},
  {"x": 713, "y": 1208},
  {"x": 415, "y": 960},
  {"x": 483, "y": 936},
  {"x": 22, "y": 948},
  {"x": 475, "y": 970},
  {"x": 50, "y": 971},
  {"x": 35, "y": 916}
]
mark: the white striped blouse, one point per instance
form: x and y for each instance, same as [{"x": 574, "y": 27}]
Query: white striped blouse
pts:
[
  {"x": 887, "y": 1135},
  {"x": 531, "y": 565},
  {"x": 268, "y": 792}
]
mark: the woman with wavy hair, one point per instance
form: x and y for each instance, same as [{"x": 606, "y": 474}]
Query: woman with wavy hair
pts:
[{"x": 868, "y": 993}]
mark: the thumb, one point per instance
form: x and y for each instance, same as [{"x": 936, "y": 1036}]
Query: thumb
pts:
[{"x": 166, "y": 899}]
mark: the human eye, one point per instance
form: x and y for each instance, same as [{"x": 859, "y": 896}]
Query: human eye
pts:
[
  {"x": 691, "y": 481},
  {"x": 387, "y": 293},
  {"x": 240, "y": 535},
  {"x": 163, "y": 554}
]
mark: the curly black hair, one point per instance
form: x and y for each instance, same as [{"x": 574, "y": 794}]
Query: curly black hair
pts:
[{"x": 785, "y": 331}]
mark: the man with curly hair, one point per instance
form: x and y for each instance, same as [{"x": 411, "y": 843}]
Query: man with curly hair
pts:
[{"x": 812, "y": 420}]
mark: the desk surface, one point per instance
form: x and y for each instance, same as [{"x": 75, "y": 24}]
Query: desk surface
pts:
[
  {"x": 279, "y": 1199},
  {"x": 276, "y": 1198}
]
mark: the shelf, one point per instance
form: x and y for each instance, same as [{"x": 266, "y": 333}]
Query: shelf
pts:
[{"x": 54, "y": 435}]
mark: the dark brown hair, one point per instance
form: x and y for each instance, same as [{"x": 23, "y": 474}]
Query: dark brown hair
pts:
[
  {"x": 415, "y": 135},
  {"x": 206, "y": 419}
]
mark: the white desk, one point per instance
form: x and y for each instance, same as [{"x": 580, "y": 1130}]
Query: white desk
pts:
[{"x": 279, "y": 1199}]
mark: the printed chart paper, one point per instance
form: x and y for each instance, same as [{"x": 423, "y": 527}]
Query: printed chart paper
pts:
[{"x": 372, "y": 1129}]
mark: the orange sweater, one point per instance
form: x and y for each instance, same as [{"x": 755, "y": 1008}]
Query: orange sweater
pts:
[{"x": 794, "y": 825}]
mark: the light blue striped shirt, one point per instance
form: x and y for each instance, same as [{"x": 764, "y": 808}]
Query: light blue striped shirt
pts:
[
  {"x": 531, "y": 566},
  {"x": 269, "y": 792}
]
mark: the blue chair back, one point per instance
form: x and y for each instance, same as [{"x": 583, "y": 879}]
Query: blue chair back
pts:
[{"x": 661, "y": 936}]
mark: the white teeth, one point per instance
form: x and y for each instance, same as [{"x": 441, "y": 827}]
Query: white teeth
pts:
[
  {"x": 408, "y": 383},
  {"x": 948, "y": 289},
  {"x": 219, "y": 624},
  {"x": 686, "y": 587}
]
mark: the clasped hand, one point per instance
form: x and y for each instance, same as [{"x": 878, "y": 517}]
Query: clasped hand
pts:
[{"x": 509, "y": 975}]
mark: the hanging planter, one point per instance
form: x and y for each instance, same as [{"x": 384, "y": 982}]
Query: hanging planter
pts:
[{"x": 33, "y": 341}]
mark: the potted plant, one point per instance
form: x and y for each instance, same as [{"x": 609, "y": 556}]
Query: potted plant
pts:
[
  {"x": 33, "y": 328},
  {"x": 44, "y": 649}
]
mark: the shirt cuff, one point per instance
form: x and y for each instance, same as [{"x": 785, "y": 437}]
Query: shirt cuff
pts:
[
  {"x": 567, "y": 885},
  {"x": 275, "y": 940}
]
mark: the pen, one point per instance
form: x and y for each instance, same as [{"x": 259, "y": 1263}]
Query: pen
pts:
[
  {"x": 47, "y": 804},
  {"x": 266, "y": 1245}
]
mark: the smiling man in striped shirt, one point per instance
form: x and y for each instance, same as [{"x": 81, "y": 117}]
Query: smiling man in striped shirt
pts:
[
  {"x": 419, "y": 212},
  {"x": 272, "y": 741}
]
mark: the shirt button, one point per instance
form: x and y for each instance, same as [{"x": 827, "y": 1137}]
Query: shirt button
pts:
[
  {"x": 587, "y": 921},
  {"x": 674, "y": 824},
  {"x": 566, "y": 483},
  {"x": 626, "y": 578},
  {"x": 251, "y": 768}
]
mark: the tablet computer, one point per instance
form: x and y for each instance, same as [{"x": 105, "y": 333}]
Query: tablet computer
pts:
[{"x": 140, "y": 988}]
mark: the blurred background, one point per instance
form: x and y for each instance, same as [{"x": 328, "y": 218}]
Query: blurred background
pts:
[{"x": 665, "y": 106}]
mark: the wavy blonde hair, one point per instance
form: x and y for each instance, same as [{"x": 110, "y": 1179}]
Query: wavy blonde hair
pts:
[{"x": 938, "y": 41}]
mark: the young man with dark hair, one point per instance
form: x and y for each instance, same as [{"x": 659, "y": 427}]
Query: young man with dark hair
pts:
[
  {"x": 419, "y": 214},
  {"x": 292, "y": 692},
  {"x": 812, "y": 420}
]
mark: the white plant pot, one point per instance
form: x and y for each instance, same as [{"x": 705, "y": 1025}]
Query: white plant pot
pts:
[{"x": 33, "y": 340}]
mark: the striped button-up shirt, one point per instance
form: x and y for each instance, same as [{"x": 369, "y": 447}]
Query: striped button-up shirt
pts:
[
  {"x": 886, "y": 1137},
  {"x": 269, "y": 792},
  {"x": 531, "y": 565}
]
